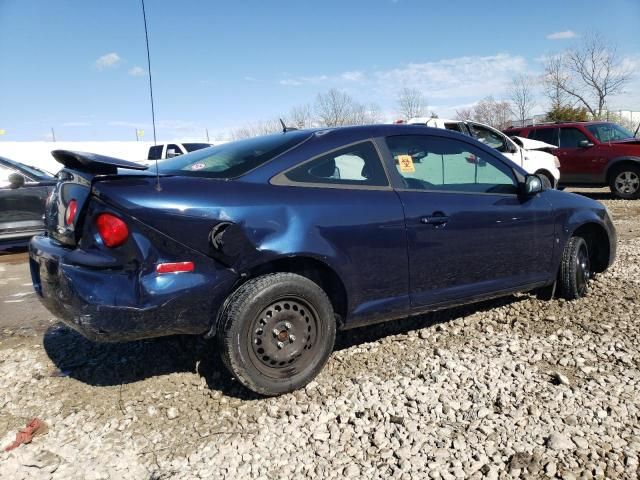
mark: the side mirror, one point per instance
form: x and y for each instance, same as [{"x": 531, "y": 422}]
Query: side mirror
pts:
[
  {"x": 532, "y": 185},
  {"x": 172, "y": 153},
  {"x": 585, "y": 144},
  {"x": 16, "y": 180}
]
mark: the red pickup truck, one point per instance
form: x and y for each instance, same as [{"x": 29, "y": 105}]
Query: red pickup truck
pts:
[{"x": 592, "y": 154}]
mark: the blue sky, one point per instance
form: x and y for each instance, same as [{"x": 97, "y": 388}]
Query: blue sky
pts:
[{"x": 80, "y": 66}]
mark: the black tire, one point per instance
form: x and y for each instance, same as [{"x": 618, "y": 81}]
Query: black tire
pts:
[
  {"x": 624, "y": 182},
  {"x": 575, "y": 269},
  {"x": 546, "y": 175},
  {"x": 276, "y": 333}
]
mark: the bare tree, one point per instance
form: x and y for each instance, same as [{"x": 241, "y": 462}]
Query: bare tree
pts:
[
  {"x": 464, "y": 114},
  {"x": 411, "y": 103},
  {"x": 301, "y": 116},
  {"x": 334, "y": 108},
  {"x": 257, "y": 129},
  {"x": 552, "y": 80},
  {"x": 521, "y": 96},
  {"x": 362, "y": 114},
  {"x": 492, "y": 112},
  {"x": 588, "y": 75}
]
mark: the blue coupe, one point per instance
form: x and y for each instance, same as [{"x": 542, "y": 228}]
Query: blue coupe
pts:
[{"x": 273, "y": 243}]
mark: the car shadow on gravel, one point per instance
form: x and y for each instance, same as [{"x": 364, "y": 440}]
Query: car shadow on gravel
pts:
[
  {"x": 373, "y": 333},
  {"x": 109, "y": 364},
  {"x": 112, "y": 364}
]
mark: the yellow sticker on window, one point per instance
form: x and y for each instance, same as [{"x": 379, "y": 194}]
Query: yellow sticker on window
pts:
[{"x": 406, "y": 163}]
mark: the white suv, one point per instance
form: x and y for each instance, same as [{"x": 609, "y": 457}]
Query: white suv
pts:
[{"x": 531, "y": 155}]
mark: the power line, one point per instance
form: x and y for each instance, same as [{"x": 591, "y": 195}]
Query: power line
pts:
[{"x": 153, "y": 113}]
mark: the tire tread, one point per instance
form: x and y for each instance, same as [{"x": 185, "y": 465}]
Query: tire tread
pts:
[{"x": 568, "y": 267}]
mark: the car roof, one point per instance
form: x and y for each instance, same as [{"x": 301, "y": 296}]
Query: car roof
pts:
[
  {"x": 385, "y": 129},
  {"x": 322, "y": 140},
  {"x": 559, "y": 124}
]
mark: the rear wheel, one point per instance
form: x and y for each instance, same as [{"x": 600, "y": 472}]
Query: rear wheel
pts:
[
  {"x": 575, "y": 269},
  {"x": 625, "y": 182},
  {"x": 276, "y": 333}
]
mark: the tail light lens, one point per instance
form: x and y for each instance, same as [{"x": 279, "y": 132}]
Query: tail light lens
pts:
[
  {"x": 72, "y": 209},
  {"x": 175, "y": 267},
  {"x": 112, "y": 230}
]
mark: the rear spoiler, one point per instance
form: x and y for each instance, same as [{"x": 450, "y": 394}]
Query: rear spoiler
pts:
[{"x": 93, "y": 163}]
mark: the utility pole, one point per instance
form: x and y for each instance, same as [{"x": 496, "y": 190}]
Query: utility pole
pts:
[
  {"x": 53, "y": 134},
  {"x": 207, "y": 130},
  {"x": 137, "y": 139}
]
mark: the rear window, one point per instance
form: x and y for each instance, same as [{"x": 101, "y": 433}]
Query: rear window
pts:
[
  {"x": 192, "y": 147},
  {"x": 234, "y": 158},
  {"x": 30, "y": 171}
]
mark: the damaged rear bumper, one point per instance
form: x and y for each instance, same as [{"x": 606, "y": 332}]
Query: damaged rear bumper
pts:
[{"x": 108, "y": 304}]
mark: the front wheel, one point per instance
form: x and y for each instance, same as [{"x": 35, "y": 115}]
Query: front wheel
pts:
[
  {"x": 625, "y": 182},
  {"x": 549, "y": 178},
  {"x": 575, "y": 269},
  {"x": 276, "y": 333}
]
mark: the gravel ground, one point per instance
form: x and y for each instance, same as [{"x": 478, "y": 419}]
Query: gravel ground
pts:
[{"x": 503, "y": 389}]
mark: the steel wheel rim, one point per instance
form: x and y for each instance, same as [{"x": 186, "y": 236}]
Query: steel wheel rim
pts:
[
  {"x": 627, "y": 182},
  {"x": 283, "y": 337},
  {"x": 583, "y": 270}
]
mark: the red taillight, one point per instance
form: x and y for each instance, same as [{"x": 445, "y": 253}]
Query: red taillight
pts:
[
  {"x": 112, "y": 230},
  {"x": 72, "y": 209},
  {"x": 175, "y": 267}
]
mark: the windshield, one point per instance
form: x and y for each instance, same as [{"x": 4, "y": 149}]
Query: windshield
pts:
[
  {"x": 34, "y": 172},
  {"x": 234, "y": 158},
  {"x": 609, "y": 132}
]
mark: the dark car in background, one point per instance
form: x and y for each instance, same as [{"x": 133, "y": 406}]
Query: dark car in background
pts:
[
  {"x": 23, "y": 193},
  {"x": 273, "y": 243},
  {"x": 592, "y": 154}
]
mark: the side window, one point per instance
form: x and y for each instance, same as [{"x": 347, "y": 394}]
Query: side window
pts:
[
  {"x": 155, "y": 153},
  {"x": 489, "y": 137},
  {"x": 546, "y": 135},
  {"x": 455, "y": 126},
  {"x": 355, "y": 165},
  {"x": 173, "y": 150},
  {"x": 571, "y": 137},
  {"x": 445, "y": 164}
]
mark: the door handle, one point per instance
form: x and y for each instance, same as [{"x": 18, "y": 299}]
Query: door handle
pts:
[{"x": 437, "y": 218}]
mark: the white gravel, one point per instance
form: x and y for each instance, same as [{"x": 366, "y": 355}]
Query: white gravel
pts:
[{"x": 505, "y": 389}]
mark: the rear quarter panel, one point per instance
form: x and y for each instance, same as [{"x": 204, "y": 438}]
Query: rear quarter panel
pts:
[{"x": 359, "y": 234}]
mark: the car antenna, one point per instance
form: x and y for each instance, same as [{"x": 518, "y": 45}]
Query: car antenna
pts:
[{"x": 286, "y": 129}]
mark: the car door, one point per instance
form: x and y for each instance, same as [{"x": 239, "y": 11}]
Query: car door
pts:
[
  {"x": 580, "y": 157},
  {"x": 469, "y": 233},
  {"x": 22, "y": 208},
  {"x": 345, "y": 204},
  {"x": 497, "y": 140}
]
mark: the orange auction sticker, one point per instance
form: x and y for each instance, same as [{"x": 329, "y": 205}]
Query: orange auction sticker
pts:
[{"x": 406, "y": 163}]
